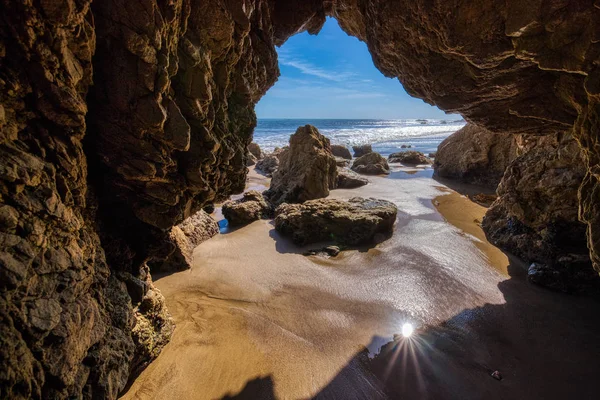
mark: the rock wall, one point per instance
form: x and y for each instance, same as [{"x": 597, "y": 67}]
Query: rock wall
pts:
[
  {"x": 93, "y": 179},
  {"x": 535, "y": 215}
]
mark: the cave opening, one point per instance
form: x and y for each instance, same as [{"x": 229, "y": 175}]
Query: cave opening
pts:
[{"x": 123, "y": 123}]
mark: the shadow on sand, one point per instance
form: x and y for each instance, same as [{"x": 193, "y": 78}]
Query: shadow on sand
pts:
[{"x": 545, "y": 345}]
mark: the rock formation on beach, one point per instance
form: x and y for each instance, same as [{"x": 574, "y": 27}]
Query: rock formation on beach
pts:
[
  {"x": 535, "y": 215},
  {"x": 409, "y": 158},
  {"x": 361, "y": 150},
  {"x": 341, "y": 151},
  {"x": 251, "y": 207},
  {"x": 307, "y": 170},
  {"x": 119, "y": 120},
  {"x": 348, "y": 179},
  {"x": 475, "y": 155},
  {"x": 371, "y": 164},
  {"x": 186, "y": 237},
  {"x": 354, "y": 222}
]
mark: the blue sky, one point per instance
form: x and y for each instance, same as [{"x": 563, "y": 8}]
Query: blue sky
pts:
[{"x": 332, "y": 75}]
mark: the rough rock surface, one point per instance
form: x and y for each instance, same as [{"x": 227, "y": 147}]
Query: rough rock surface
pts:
[
  {"x": 341, "y": 162},
  {"x": 535, "y": 215},
  {"x": 347, "y": 179},
  {"x": 186, "y": 237},
  {"x": 307, "y": 170},
  {"x": 409, "y": 158},
  {"x": 353, "y": 222},
  {"x": 475, "y": 155},
  {"x": 167, "y": 124},
  {"x": 361, "y": 150},
  {"x": 270, "y": 162},
  {"x": 341, "y": 151},
  {"x": 255, "y": 150},
  {"x": 371, "y": 164},
  {"x": 251, "y": 207}
]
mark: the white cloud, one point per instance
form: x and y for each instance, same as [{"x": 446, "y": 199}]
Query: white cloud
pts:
[{"x": 310, "y": 69}]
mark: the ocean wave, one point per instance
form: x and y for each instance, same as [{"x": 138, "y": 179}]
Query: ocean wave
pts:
[{"x": 382, "y": 134}]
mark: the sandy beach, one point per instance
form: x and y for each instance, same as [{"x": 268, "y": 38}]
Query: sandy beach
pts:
[{"x": 257, "y": 319}]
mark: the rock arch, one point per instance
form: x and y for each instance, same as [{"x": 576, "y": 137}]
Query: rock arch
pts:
[{"x": 92, "y": 176}]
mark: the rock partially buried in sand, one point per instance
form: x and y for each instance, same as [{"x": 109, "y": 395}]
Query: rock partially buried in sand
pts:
[
  {"x": 361, "y": 150},
  {"x": 251, "y": 207},
  {"x": 354, "y": 222},
  {"x": 409, "y": 158},
  {"x": 306, "y": 171},
  {"x": 348, "y": 179},
  {"x": 371, "y": 164},
  {"x": 341, "y": 151}
]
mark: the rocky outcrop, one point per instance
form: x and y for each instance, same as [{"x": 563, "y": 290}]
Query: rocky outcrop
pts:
[
  {"x": 186, "y": 237},
  {"x": 341, "y": 151},
  {"x": 347, "y": 179},
  {"x": 270, "y": 162},
  {"x": 535, "y": 215},
  {"x": 475, "y": 155},
  {"x": 251, "y": 207},
  {"x": 92, "y": 183},
  {"x": 256, "y": 151},
  {"x": 307, "y": 170},
  {"x": 409, "y": 158},
  {"x": 361, "y": 150},
  {"x": 353, "y": 222},
  {"x": 371, "y": 164}
]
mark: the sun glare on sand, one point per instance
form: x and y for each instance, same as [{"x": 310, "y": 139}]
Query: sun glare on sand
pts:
[{"x": 407, "y": 330}]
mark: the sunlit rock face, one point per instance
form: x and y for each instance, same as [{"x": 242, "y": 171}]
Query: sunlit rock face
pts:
[
  {"x": 535, "y": 215},
  {"x": 93, "y": 179}
]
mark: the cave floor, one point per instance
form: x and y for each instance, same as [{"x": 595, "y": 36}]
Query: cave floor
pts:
[{"x": 258, "y": 320}]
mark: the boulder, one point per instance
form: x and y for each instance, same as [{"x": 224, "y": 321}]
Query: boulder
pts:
[
  {"x": 409, "y": 158},
  {"x": 535, "y": 214},
  {"x": 361, "y": 150},
  {"x": 341, "y": 151},
  {"x": 475, "y": 155},
  {"x": 371, "y": 164},
  {"x": 186, "y": 237},
  {"x": 307, "y": 170},
  {"x": 348, "y": 179},
  {"x": 353, "y": 222},
  {"x": 251, "y": 207},
  {"x": 255, "y": 150}
]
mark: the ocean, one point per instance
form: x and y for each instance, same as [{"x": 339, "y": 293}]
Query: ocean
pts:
[{"x": 386, "y": 136}]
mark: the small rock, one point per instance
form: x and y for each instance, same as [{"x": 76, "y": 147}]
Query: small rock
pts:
[
  {"x": 341, "y": 151},
  {"x": 371, "y": 164},
  {"x": 348, "y": 179},
  {"x": 251, "y": 207},
  {"x": 497, "y": 375},
  {"x": 360, "y": 151},
  {"x": 409, "y": 158}
]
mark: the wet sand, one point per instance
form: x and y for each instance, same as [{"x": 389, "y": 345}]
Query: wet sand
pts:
[{"x": 256, "y": 319}]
